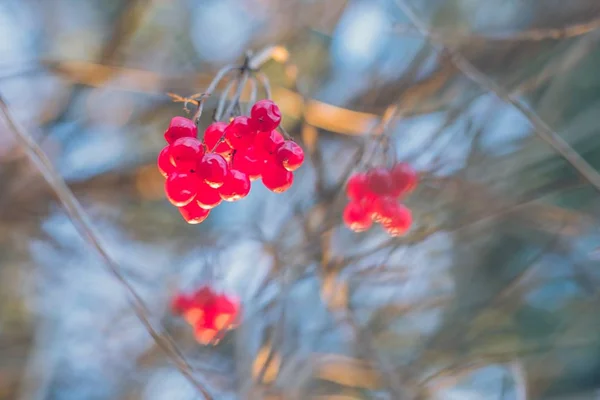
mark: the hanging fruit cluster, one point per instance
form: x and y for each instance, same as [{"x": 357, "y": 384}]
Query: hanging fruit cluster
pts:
[
  {"x": 201, "y": 174},
  {"x": 210, "y": 313},
  {"x": 375, "y": 196}
]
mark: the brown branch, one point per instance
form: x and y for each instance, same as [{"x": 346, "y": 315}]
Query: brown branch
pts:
[
  {"x": 82, "y": 223},
  {"x": 542, "y": 129}
]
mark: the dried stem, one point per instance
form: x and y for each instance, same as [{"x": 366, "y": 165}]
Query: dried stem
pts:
[
  {"x": 471, "y": 72},
  {"x": 211, "y": 88},
  {"x": 81, "y": 222}
]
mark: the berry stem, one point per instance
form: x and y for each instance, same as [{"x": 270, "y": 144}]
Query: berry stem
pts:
[
  {"x": 262, "y": 78},
  {"x": 211, "y": 88},
  {"x": 223, "y": 99},
  {"x": 241, "y": 82}
]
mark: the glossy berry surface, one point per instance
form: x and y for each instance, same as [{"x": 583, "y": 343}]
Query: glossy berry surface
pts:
[
  {"x": 212, "y": 135},
  {"x": 213, "y": 169},
  {"x": 180, "y": 127},
  {"x": 239, "y": 134},
  {"x": 185, "y": 153},
  {"x": 192, "y": 213},
  {"x": 236, "y": 186},
  {"x": 356, "y": 217},
  {"x": 164, "y": 162},
  {"x": 404, "y": 179},
  {"x": 276, "y": 178},
  {"x": 265, "y": 115},
  {"x": 250, "y": 162},
  {"x": 180, "y": 188},
  {"x": 268, "y": 141},
  {"x": 207, "y": 197},
  {"x": 384, "y": 209},
  {"x": 400, "y": 223},
  {"x": 380, "y": 181},
  {"x": 290, "y": 155}
]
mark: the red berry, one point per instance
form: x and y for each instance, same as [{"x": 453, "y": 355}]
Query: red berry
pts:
[
  {"x": 207, "y": 197},
  {"x": 180, "y": 127},
  {"x": 239, "y": 134},
  {"x": 290, "y": 155},
  {"x": 356, "y": 217},
  {"x": 276, "y": 178},
  {"x": 180, "y": 188},
  {"x": 384, "y": 209},
  {"x": 213, "y": 169},
  {"x": 380, "y": 181},
  {"x": 236, "y": 186},
  {"x": 268, "y": 141},
  {"x": 212, "y": 135},
  {"x": 265, "y": 115},
  {"x": 185, "y": 153},
  {"x": 180, "y": 303},
  {"x": 357, "y": 187},
  {"x": 400, "y": 222},
  {"x": 249, "y": 161},
  {"x": 404, "y": 179},
  {"x": 193, "y": 213},
  {"x": 164, "y": 162}
]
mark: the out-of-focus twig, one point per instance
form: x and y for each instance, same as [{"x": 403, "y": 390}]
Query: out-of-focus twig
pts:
[
  {"x": 471, "y": 72},
  {"x": 81, "y": 221},
  {"x": 535, "y": 34}
]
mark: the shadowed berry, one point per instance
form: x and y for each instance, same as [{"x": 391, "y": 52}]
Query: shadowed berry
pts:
[
  {"x": 404, "y": 179},
  {"x": 164, "y": 162},
  {"x": 268, "y": 141},
  {"x": 357, "y": 187},
  {"x": 236, "y": 186},
  {"x": 384, "y": 209},
  {"x": 185, "y": 153},
  {"x": 239, "y": 134},
  {"x": 180, "y": 127},
  {"x": 276, "y": 178},
  {"x": 380, "y": 181},
  {"x": 207, "y": 197},
  {"x": 193, "y": 213},
  {"x": 250, "y": 162},
  {"x": 356, "y": 217},
  {"x": 213, "y": 169},
  {"x": 290, "y": 155},
  {"x": 180, "y": 188},
  {"x": 265, "y": 115},
  {"x": 400, "y": 222}
]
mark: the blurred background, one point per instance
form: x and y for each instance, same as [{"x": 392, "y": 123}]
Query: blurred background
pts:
[{"x": 492, "y": 295}]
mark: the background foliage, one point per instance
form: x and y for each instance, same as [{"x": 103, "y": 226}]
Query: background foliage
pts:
[{"x": 493, "y": 294}]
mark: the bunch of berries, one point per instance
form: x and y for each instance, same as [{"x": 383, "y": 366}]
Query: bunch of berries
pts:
[
  {"x": 210, "y": 313},
  {"x": 201, "y": 174},
  {"x": 374, "y": 197}
]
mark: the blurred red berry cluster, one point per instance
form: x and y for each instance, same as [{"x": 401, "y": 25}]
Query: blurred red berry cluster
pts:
[
  {"x": 201, "y": 174},
  {"x": 209, "y": 312},
  {"x": 375, "y": 197}
]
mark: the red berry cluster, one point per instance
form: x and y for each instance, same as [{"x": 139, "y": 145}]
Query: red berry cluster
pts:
[
  {"x": 202, "y": 174},
  {"x": 374, "y": 197},
  {"x": 210, "y": 313}
]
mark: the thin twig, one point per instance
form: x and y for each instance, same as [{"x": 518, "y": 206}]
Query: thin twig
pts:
[
  {"x": 565, "y": 32},
  {"x": 471, "y": 72},
  {"x": 81, "y": 222}
]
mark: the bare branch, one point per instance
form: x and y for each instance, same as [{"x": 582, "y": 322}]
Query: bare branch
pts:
[
  {"x": 81, "y": 222},
  {"x": 542, "y": 129}
]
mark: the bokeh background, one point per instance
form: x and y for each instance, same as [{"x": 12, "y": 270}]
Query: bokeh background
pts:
[{"x": 494, "y": 294}]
